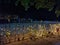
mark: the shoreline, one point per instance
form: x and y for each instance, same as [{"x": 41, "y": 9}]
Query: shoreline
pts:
[{"x": 41, "y": 41}]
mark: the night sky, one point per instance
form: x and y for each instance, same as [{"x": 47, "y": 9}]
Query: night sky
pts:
[{"x": 32, "y": 12}]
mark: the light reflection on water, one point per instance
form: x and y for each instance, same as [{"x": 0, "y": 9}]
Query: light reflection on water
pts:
[{"x": 13, "y": 26}]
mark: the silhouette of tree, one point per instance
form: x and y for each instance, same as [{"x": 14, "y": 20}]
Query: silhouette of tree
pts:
[{"x": 49, "y": 4}]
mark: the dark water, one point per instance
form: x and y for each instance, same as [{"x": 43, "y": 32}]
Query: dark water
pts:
[{"x": 58, "y": 43}]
